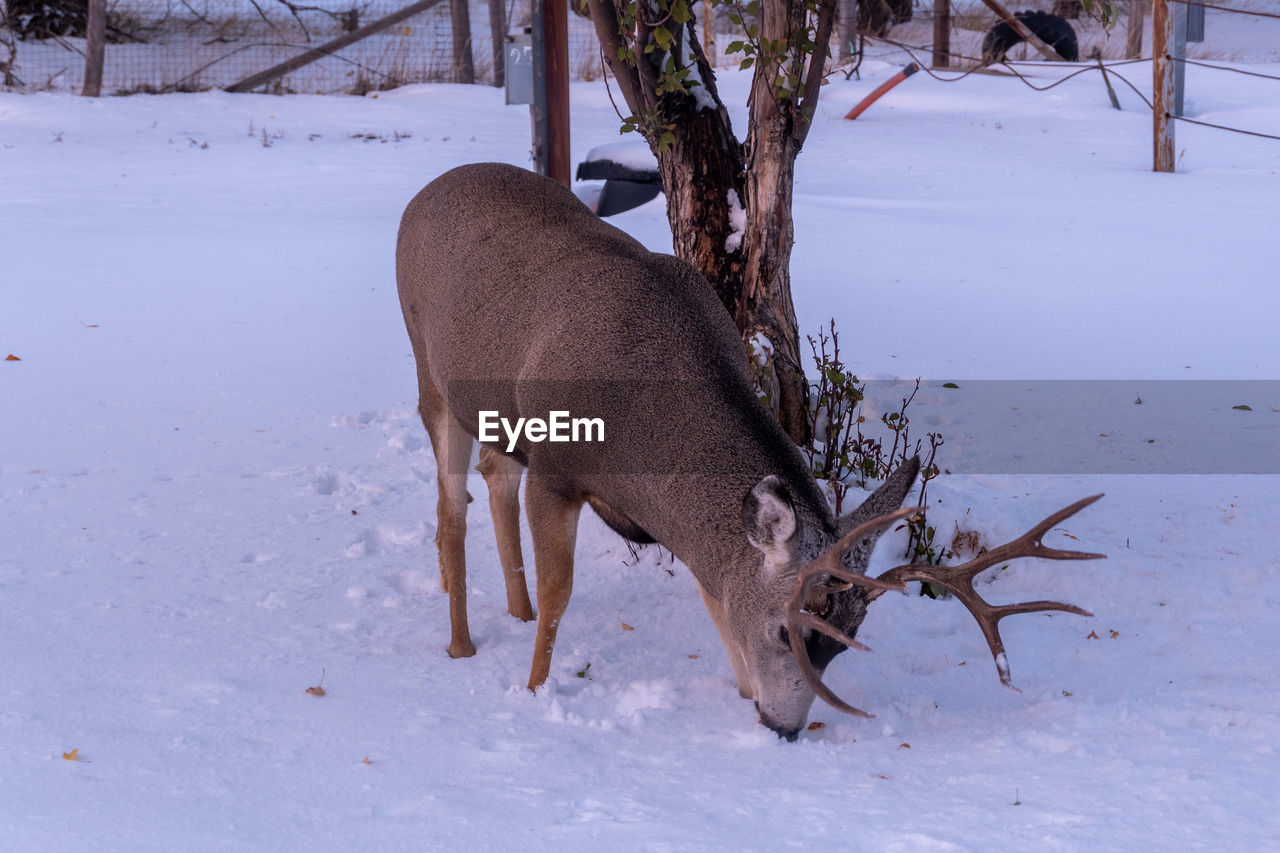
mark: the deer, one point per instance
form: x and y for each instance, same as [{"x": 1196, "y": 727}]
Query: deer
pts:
[{"x": 519, "y": 300}]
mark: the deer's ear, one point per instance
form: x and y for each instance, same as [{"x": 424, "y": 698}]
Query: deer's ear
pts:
[
  {"x": 882, "y": 501},
  {"x": 769, "y": 516},
  {"x": 885, "y": 499}
]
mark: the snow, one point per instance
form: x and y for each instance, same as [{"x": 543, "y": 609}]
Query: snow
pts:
[
  {"x": 215, "y": 492},
  {"x": 696, "y": 85},
  {"x": 738, "y": 221},
  {"x": 634, "y": 155}
]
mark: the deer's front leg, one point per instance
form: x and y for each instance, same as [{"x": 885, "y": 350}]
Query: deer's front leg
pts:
[{"x": 553, "y": 518}]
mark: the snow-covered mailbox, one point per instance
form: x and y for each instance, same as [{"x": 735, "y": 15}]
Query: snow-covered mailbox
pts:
[{"x": 630, "y": 174}]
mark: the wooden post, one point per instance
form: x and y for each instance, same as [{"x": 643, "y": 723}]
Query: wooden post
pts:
[
  {"x": 1162, "y": 84},
  {"x": 95, "y": 48},
  {"x": 1021, "y": 29},
  {"x": 329, "y": 48},
  {"x": 1133, "y": 35},
  {"x": 941, "y": 33},
  {"x": 555, "y": 21}
]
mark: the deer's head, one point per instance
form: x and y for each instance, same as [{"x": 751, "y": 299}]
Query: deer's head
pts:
[
  {"x": 809, "y": 598},
  {"x": 788, "y": 541}
]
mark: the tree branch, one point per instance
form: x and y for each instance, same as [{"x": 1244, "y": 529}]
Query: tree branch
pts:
[
  {"x": 604, "y": 17},
  {"x": 817, "y": 66}
]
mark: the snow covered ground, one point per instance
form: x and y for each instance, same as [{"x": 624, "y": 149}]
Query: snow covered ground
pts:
[{"x": 214, "y": 489}]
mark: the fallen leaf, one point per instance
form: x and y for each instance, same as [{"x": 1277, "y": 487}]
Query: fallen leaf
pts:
[
  {"x": 1069, "y": 536},
  {"x": 73, "y": 755},
  {"x": 815, "y": 725},
  {"x": 904, "y": 746},
  {"x": 1093, "y": 635},
  {"x": 693, "y": 657},
  {"x": 1242, "y": 408},
  {"x": 318, "y": 690},
  {"x": 1115, "y": 634},
  {"x": 950, "y": 385},
  {"x": 626, "y": 627},
  {"x": 1066, "y": 693},
  {"x": 11, "y": 357},
  {"x": 90, "y": 325},
  {"x": 1104, "y": 435},
  {"x": 882, "y": 776},
  {"x": 962, "y": 663},
  {"x": 366, "y": 760}
]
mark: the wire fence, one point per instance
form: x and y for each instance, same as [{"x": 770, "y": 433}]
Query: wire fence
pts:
[
  {"x": 919, "y": 53},
  {"x": 1226, "y": 68},
  {"x": 189, "y": 45}
]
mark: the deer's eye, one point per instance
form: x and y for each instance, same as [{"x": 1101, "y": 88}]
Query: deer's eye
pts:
[{"x": 784, "y": 636}]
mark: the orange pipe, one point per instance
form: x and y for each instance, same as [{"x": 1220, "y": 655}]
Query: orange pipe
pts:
[{"x": 881, "y": 89}]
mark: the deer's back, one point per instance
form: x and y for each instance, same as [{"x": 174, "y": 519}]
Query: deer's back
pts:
[
  {"x": 519, "y": 298},
  {"x": 504, "y": 272}
]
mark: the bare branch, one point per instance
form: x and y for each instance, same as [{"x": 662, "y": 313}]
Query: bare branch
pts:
[{"x": 815, "y": 73}]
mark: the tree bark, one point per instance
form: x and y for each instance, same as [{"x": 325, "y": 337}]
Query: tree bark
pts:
[
  {"x": 464, "y": 67},
  {"x": 95, "y": 48},
  {"x": 1133, "y": 35},
  {"x": 765, "y": 306},
  {"x": 711, "y": 180},
  {"x": 498, "y": 32}
]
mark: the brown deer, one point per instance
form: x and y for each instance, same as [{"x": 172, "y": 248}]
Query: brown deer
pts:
[{"x": 520, "y": 302}]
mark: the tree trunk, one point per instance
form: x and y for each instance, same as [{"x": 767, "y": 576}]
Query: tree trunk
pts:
[
  {"x": 765, "y": 307},
  {"x": 1133, "y": 35},
  {"x": 848, "y": 16},
  {"x": 95, "y": 48},
  {"x": 464, "y": 67},
  {"x": 700, "y": 171},
  {"x": 711, "y": 180},
  {"x": 498, "y": 31}
]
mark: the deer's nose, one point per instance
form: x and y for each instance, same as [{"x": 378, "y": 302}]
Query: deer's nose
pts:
[{"x": 787, "y": 732}]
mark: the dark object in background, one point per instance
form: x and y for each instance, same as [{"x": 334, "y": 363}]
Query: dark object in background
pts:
[
  {"x": 876, "y": 16},
  {"x": 1051, "y": 29},
  {"x": 43, "y": 19},
  {"x": 625, "y": 186},
  {"x": 1069, "y": 9}
]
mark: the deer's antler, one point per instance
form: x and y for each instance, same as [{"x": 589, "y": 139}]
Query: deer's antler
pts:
[
  {"x": 956, "y": 579},
  {"x": 814, "y": 576}
]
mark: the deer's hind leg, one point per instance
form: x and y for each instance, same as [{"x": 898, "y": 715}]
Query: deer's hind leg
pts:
[
  {"x": 502, "y": 476},
  {"x": 553, "y": 517},
  {"x": 452, "y": 447}
]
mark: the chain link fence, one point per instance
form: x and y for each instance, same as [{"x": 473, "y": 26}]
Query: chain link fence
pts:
[{"x": 191, "y": 45}]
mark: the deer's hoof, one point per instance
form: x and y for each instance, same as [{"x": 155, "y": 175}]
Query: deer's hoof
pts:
[{"x": 461, "y": 649}]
